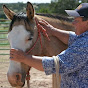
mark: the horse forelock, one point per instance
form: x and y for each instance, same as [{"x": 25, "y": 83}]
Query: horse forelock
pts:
[{"x": 21, "y": 17}]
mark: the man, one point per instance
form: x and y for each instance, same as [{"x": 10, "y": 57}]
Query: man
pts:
[{"x": 73, "y": 62}]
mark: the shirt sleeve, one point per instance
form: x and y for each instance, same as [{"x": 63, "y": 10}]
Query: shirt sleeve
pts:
[
  {"x": 48, "y": 65},
  {"x": 73, "y": 58},
  {"x": 72, "y": 38}
]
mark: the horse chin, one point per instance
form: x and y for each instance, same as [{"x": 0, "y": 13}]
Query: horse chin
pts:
[{"x": 16, "y": 79}]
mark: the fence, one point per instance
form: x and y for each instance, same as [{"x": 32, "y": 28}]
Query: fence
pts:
[{"x": 4, "y": 44}]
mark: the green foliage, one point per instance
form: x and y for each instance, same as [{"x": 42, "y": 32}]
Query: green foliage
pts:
[
  {"x": 43, "y": 8},
  {"x": 84, "y": 1},
  {"x": 60, "y": 6},
  {"x": 53, "y": 7},
  {"x": 21, "y": 7},
  {"x": 16, "y": 7}
]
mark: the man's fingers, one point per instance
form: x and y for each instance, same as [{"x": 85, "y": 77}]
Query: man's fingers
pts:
[
  {"x": 40, "y": 27},
  {"x": 13, "y": 49},
  {"x": 40, "y": 19},
  {"x": 13, "y": 52},
  {"x": 42, "y": 23},
  {"x": 36, "y": 20},
  {"x": 11, "y": 57},
  {"x": 45, "y": 21}
]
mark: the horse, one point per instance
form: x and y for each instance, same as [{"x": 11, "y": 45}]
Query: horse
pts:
[{"x": 23, "y": 34}]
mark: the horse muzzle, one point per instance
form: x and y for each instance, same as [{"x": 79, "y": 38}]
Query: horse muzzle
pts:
[{"x": 15, "y": 80}]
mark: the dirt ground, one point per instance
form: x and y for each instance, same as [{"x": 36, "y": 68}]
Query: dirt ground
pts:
[{"x": 38, "y": 78}]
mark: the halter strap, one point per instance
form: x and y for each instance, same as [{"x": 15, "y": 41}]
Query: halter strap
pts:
[
  {"x": 39, "y": 37},
  {"x": 41, "y": 30}
]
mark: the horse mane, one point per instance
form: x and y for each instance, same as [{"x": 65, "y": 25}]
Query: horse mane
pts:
[
  {"x": 60, "y": 17},
  {"x": 58, "y": 21},
  {"x": 18, "y": 17},
  {"x": 61, "y": 22}
]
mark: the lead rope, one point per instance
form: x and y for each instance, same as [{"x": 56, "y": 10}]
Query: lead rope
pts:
[
  {"x": 28, "y": 73},
  {"x": 39, "y": 37},
  {"x": 28, "y": 78},
  {"x": 56, "y": 79}
]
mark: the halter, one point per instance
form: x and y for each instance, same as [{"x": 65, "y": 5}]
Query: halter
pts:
[{"x": 40, "y": 30}]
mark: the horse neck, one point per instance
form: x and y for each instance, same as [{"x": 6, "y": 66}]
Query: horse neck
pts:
[
  {"x": 57, "y": 23},
  {"x": 49, "y": 48},
  {"x": 54, "y": 46}
]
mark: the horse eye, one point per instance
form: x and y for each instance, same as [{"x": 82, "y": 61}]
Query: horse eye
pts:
[{"x": 30, "y": 38}]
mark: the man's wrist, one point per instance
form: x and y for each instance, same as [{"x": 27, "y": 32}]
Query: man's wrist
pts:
[{"x": 27, "y": 59}]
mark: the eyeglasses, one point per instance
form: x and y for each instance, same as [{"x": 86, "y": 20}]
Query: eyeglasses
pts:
[{"x": 75, "y": 21}]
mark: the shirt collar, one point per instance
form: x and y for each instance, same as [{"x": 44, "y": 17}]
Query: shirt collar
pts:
[{"x": 83, "y": 34}]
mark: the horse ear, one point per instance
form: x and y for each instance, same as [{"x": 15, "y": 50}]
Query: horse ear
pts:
[
  {"x": 9, "y": 14},
  {"x": 30, "y": 10}
]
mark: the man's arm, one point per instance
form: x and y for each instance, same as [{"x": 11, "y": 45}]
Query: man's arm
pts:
[
  {"x": 30, "y": 60},
  {"x": 34, "y": 61},
  {"x": 51, "y": 31},
  {"x": 61, "y": 34}
]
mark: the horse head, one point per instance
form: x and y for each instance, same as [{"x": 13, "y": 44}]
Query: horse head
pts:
[{"x": 22, "y": 34}]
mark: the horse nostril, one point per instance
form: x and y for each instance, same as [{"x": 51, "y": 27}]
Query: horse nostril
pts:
[
  {"x": 18, "y": 76},
  {"x": 19, "y": 80},
  {"x": 15, "y": 80}
]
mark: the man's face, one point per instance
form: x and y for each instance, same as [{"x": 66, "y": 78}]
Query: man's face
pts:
[{"x": 80, "y": 25}]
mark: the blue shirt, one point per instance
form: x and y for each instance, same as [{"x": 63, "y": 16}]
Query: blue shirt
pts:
[{"x": 73, "y": 62}]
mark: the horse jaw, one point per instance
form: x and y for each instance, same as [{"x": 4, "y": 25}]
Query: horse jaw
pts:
[{"x": 18, "y": 39}]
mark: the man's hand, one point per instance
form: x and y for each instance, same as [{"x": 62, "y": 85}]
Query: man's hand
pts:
[
  {"x": 17, "y": 55},
  {"x": 44, "y": 25}
]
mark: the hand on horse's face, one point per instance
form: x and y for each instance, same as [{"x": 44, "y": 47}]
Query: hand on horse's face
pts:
[
  {"x": 17, "y": 55},
  {"x": 44, "y": 25}
]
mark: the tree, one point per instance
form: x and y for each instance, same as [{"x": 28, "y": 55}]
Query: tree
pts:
[
  {"x": 60, "y": 6},
  {"x": 84, "y": 1}
]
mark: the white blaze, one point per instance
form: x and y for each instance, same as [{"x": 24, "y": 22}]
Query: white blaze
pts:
[{"x": 18, "y": 38}]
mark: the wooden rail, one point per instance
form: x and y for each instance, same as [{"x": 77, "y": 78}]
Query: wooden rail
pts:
[{"x": 4, "y": 44}]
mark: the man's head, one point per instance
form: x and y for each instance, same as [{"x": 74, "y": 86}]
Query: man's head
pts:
[
  {"x": 80, "y": 15},
  {"x": 80, "y": 11}
]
